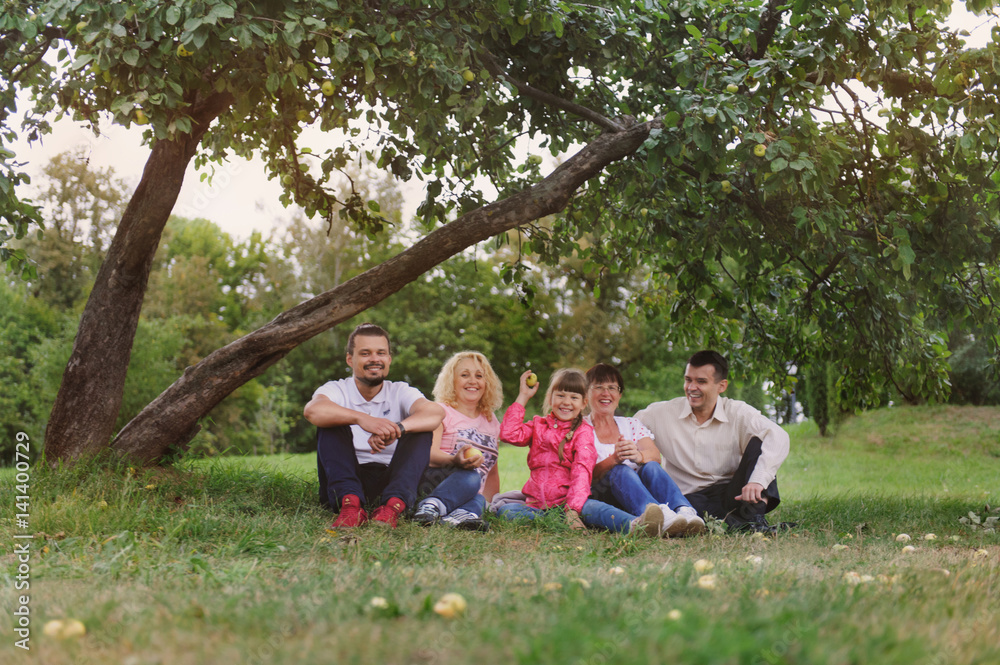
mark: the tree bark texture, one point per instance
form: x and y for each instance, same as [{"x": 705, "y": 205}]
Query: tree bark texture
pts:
[
  {"x": 90, "y": 395},
  {"x": 172, "y": 418}
]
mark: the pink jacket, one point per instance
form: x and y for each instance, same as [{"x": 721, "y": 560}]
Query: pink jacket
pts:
[{"x": 552, "y": 483}]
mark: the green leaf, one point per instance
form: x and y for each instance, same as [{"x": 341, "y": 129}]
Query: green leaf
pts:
[
  {"x": 341, "y": 51},
  {"x": 693, "y": 31},
  {"x": 779, "y": 164},
  {"x": 82, "y": 61},
  {"x": 222, "y": 11}
]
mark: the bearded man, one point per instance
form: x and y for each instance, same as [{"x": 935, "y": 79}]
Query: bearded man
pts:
[{"x": 374, "y": 435}]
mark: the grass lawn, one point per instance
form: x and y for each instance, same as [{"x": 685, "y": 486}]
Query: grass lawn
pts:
[{"x": 229, "y": 561}]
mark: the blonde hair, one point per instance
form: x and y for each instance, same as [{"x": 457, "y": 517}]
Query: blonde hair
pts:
[
  {"x": 444, "y": 387},
  {"x": 567, "y": 380}
]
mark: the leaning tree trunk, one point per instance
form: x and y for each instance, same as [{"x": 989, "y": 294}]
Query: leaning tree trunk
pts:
[
  {"x": 172, "y": 418},
  {"x": 83, "y": 416}
]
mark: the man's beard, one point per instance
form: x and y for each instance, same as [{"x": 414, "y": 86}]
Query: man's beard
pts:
[{"x": 373, "y": 381}]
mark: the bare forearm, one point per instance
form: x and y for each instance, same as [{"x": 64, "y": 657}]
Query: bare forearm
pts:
[
  {"x": 424, "y": 418},
  {"x": 439, "y": 458},
  {"x": 492, "y": 485},
  {"x": 649, "y": 451},
  {"x": 604, "y": 466},
  {"x": 323, "y": 412}
]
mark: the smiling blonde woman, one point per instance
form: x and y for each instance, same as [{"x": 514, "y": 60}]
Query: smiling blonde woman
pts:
[{"x": 462, "y": 475}]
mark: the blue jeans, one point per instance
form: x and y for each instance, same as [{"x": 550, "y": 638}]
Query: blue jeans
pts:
[
  {"x": 454, "y": 487},
  {"x": 340, "y": 473},
  {"x": 634, "y": 490},
  {"x": 595, "y": 513}
]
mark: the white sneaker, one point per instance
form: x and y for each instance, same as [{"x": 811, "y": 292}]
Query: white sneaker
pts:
[
  {"x": 695, "y": 524},
  {"x": 651, "y": 521},
  {"x": 673, "y": 524}
]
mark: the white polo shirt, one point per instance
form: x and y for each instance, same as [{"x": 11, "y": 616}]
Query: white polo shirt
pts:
[{"x": 393, "y": 402}]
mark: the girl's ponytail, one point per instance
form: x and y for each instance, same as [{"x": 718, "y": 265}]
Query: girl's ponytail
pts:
[{"x": 569, "y": 435}]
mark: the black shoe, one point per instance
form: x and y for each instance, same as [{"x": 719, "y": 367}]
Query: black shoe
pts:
[
  {"x": 755, "y": 523},
  {"x": 427, "y": 513},
  {"x": 465, "y": 520}
]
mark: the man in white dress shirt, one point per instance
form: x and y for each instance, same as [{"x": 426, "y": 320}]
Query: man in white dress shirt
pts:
[
  {"x": 374, "y": 435},
  {"x": 722, "y": 453}
]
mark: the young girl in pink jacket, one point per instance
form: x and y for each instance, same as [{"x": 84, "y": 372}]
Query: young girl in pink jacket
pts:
[{"x": 561, "y": 459}]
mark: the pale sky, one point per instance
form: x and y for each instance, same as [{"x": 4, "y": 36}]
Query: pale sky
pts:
[{"x": 241, "y": 199}]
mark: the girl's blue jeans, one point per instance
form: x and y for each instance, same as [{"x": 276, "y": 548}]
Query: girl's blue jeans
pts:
[{"x": 595, "y": 513}]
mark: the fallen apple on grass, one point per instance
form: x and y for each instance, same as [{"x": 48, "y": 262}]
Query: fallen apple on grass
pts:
[
  {"x": 64, "y": 629},
  {"x": 703, "y": 566},
  {"x": 707, "y": 582},
  {"x": 450, "y": 605}
]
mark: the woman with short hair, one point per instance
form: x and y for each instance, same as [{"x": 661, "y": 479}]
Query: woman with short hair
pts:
[{"x": 628, "y": 472}]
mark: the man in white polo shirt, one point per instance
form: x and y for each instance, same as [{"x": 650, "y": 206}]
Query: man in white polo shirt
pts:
[
  {"x": 722, "y": 453},
  {"x": 374, "y": 436}
]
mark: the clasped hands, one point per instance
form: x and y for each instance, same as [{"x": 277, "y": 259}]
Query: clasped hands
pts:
[
  {"x": 627, "y": 450},
  {"x": 383, "y": 432}
]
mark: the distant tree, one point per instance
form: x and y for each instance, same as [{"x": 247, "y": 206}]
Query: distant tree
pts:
[
  {"x": 80, "y": 206},
  {"x": 26, "y": 323},
  {"x": 974, "y": 380}
]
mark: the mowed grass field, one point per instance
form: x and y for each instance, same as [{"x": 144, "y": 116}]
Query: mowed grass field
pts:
[{"x": 230, "y": 561}]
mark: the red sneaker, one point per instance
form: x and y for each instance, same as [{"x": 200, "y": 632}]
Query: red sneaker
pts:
[
  {"x": 351, "y": 513},
  {"x": 389, "y": 512}
]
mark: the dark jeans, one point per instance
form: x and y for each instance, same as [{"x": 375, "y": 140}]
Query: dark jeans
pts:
[
  {"x": 717, "y": 500},
  {"x": 340, "y": 473}
]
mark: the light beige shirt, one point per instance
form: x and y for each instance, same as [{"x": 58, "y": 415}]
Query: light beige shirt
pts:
[{"x": 697, "y": 456}]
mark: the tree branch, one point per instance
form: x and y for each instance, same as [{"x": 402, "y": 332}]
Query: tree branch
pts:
[
  {"x": 172, "y": 418},
  {"x": 770, "y": 19},
  {"x": 490, "y": 62}
]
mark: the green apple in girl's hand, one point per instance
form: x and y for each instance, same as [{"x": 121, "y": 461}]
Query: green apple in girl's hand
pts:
[{"x": 531, "y": 380}]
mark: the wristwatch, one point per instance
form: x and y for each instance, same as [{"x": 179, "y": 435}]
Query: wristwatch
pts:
[{"x": 402, "y": 429}]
